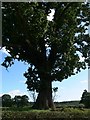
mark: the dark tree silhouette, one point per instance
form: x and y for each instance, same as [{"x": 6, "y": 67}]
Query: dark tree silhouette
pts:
[
  {"x": 20, "y": 101},
  {"x": 85, "y": 99},
  {"x": 6, "y": 100}
]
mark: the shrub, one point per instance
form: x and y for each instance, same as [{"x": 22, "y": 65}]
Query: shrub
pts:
[{"x": 65, "y": 114}]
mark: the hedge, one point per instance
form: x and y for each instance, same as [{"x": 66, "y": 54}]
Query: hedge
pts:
[{"x": 59, "y": 114}]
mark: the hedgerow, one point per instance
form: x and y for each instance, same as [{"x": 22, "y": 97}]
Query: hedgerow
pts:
[{"x": 58, "y": 114}]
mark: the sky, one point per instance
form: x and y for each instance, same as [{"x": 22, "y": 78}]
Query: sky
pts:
[{"x": 13, "y": 82}]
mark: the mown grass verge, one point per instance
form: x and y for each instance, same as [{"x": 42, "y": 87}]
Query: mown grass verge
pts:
[{"x": 58, "y": 114}]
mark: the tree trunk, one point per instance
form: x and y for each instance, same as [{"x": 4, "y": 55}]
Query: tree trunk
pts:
[{"x": 44, "y": 99}]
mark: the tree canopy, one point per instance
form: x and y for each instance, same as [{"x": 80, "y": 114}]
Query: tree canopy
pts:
[
  {"x": 19, "y": 101},
  {"x": 85, "y": 99},
  {"x": 52, "y": 48},
  {"x": 6, "y": 100}
]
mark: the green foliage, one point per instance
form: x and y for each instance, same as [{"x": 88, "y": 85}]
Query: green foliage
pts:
[
  {"x": 6, "y": 100},
  {"x": 24, "y": 100},
  {"x": 67, "y": 104},
  {"x": 67, "y": 114},
  {"x": 51, "y": 48},
  {"x": 63, "y": 112},
  {"x": 19, "y": 101},
  {"x": 85, "y": 99},
  {"x": 33, "y": 82}
]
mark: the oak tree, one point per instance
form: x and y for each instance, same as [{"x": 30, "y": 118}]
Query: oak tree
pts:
[{"x": 52, "y": 48}]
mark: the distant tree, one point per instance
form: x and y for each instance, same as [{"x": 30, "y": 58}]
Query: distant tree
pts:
[
  {"x": 85, "y": 99},
  {"x": 17, "y": 100},
  {"x": 6, "y": 100},
  {"x": 21, "y": 101},
  {"x": 52, "y": 49},
  {"x": 24, "y": 100}
]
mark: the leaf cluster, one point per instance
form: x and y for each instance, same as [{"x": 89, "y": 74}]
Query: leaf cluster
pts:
[{"x": 53, "y": 47}]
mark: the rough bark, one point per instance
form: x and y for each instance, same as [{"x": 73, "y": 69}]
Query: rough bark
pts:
[{"x": 44, "y": 99}]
